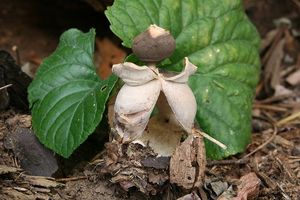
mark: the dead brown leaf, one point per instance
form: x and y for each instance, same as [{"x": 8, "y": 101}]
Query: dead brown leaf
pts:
[
  {"x": 272, "y": 68},
  {"x": 109, "y": 54},
  {"x": 248, "y": 187}
]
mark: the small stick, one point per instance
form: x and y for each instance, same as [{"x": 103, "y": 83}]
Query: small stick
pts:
[
  {"x": 264, "y": 144},
  {"x": 278, "y": 98},
  {"x": 197, "y": 132},
  {"x": 270, "y": 107},
  {"x": 71, "y": 179},
  {"x": 6, "y": 86},
  {"x": 228, "y": 162},
  {"x": 288, "y": 119},
  {"x": 294, "y": 160}
]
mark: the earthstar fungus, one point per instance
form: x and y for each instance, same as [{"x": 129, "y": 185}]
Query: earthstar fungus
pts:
[{"x": 143, "y": 85}]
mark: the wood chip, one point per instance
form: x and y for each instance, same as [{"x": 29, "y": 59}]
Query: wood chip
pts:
[
  {"x": 10, "y": 193},
  {"x": 192, "y": 196},
  {"x": 294, "y": 78},
  {"x": 7, "y": 169},
  {"x": 187, "y": 164},
  {"x": 157, "y": 162},
  {"x": 42, "y": 181},
  {"x": 218, "y": 187}
]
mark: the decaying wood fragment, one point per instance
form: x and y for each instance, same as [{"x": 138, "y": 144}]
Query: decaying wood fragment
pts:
[
  {"x": 42, "y": 181},
  {"x": 7, "y": 169},
  {"x": 125, "y": 164},
  {"x": 187, "y": 164}
]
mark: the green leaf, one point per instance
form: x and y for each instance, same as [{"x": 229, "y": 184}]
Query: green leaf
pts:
[
  {"x": 217, "y": 37},
  {"x": 67, "y": 97}
]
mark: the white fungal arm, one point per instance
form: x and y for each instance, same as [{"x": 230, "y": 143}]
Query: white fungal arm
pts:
[
  {"x": 182, "y": 102},
  {"x": 133, "y": 108},
  {"x": 183, "y": 77},
  {"x": 133, "y": 74},
  {"x": 140, "y": 92}
]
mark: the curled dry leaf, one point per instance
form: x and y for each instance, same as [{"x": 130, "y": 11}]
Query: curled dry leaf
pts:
[{"x": 140, "y": 92}]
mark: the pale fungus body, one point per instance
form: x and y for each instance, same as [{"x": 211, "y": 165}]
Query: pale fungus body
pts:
[{"x": 138, "y": 96}]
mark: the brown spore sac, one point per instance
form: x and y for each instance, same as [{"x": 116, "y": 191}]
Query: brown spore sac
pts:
[{"x": 153, "y": 45}]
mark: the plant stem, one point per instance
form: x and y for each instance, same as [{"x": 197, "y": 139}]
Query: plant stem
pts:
[
  {"x": 197, "y": 132},
  {"x": 6, "y": 86}
]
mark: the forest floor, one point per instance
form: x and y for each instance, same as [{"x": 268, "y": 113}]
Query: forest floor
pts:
[{"x": 268, "y": 169}]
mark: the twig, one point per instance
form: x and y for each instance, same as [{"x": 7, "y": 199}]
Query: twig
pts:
[
  {"x": 288, "y": 106},
  {"x": 285, "y": 167},
  {"x": 294, "y": 160},
  {"x": 228, "y": 162},
  {"x": 71, "y": 179},
  {"x": 270, "y": 119},
  {"x": 197, "y": 132},
  {"x": 278, "y": 98},
  {"x": 270, "y": 107},
  {"x": 6, "y": 86},
  {"x": 288, "y": 119},
  {"x": 265, "y": 143},
  {"x": 283, "y": 193},
  {"x": 294, "y": 157}
]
